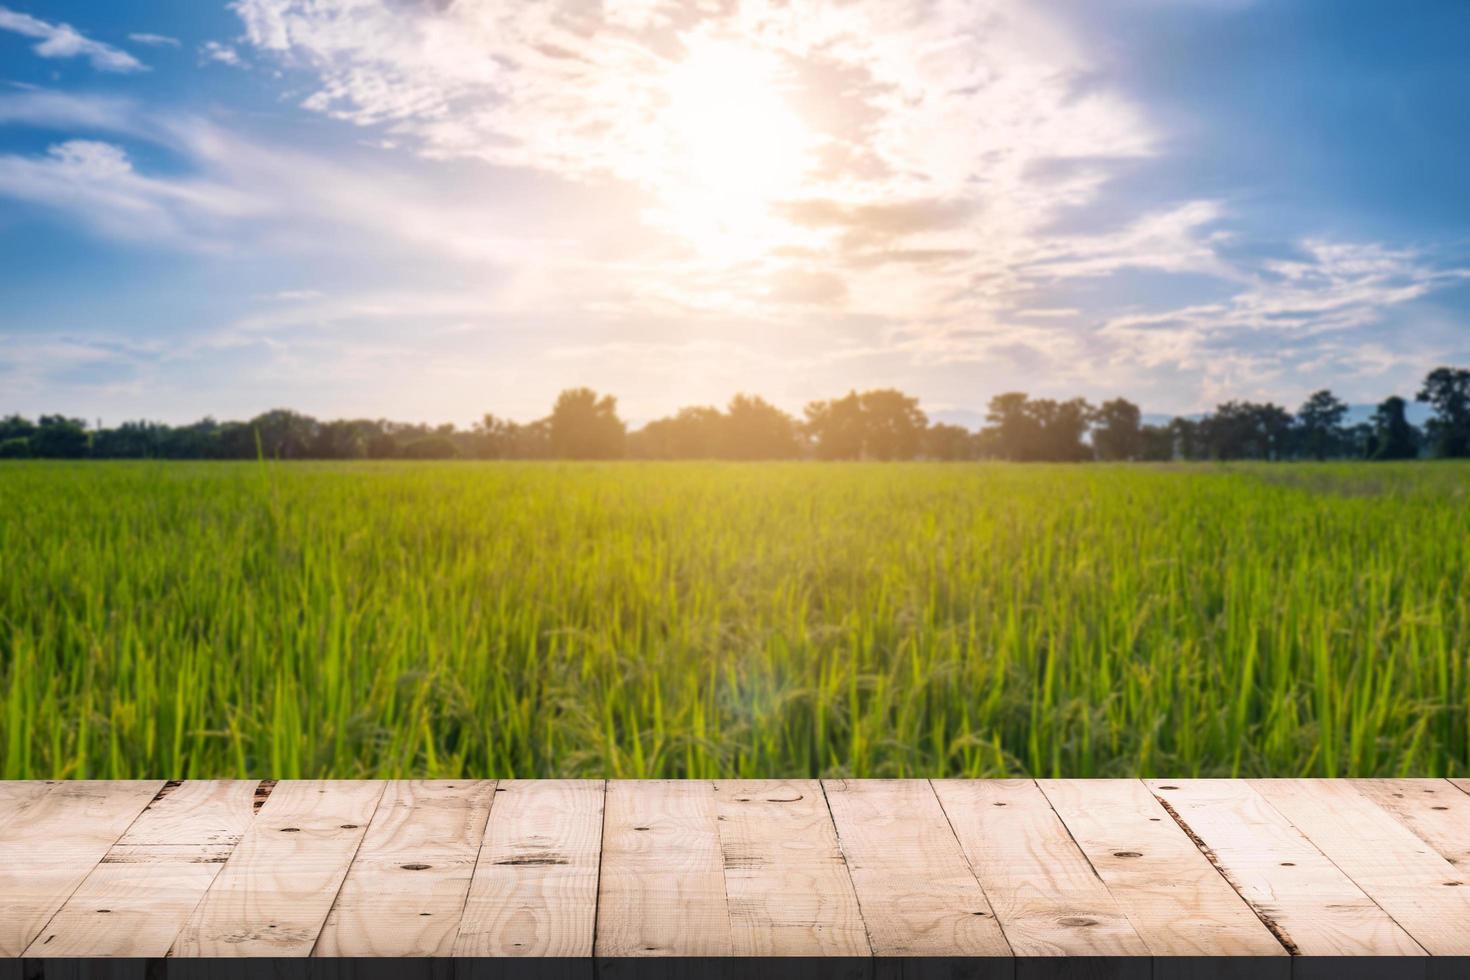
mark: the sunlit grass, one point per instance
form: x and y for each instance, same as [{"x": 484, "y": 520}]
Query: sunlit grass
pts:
[{"x": 193, "y": 620}]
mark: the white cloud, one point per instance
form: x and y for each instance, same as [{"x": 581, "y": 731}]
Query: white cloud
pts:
[
  {"x": 929, "y": 133},
  {"x": 96, "y": 183},
  {"x": 1323, "y": 315},
  {"x": 223, "y": 54},
  {"x": 1178, "y": 239},
  {"x": 154, "y": 40},
  {"x": 64, "y": 41},
  {"x": 242, "y": 193},
  {"x": 62, "y": 112}
]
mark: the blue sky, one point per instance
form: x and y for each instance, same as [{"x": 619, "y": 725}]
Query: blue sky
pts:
[{"x": 430, "y": 210}]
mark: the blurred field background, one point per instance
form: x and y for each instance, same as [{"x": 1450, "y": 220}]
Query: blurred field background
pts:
[{"x": 709, "y": 619}]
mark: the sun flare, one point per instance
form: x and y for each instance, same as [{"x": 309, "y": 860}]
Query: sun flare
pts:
[{"x": 735, "y": 146}]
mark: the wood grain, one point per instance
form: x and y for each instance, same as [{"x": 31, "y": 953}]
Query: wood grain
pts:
[
  {"x": 1116, "y": 878},
  {"x": 406, "y": 888},
  {"x": 273, "y": 894},
  {"x": 1315, "y": 909},
  {"x": 50, "y": 845},
  {"x": 1436, "y": 811},
  {"x": 195, "y": 812},
  {"x": 662, "y": 888},
  {"x": 135, "y": 901},
  {"x": 787, "y": 881},
  {"x": 1408, "y": 879},
  {"x": 1044, "y": 892},
  {"x": 17, "y": 797},
  {"x": 1177, "y": 901},
  {"x": 534, "y": 891},
  {"x": 916, "y": 891}
]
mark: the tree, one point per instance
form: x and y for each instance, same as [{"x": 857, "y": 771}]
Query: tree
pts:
[
  {"x": 1448, "y": 390},
  {"x": 1275, "y": 424},
  {"x": 58, "y": 437},
  {"x": 1116, "y": 433},
  {"x": 1028, "y": 429},
  {"x": 1393, "y": 436},
  {"x": 499, "y": 438},
  {"x": 16, "y": 427},
  {"x": 130, "y": 440},
  {"x": 1246, "y": 430},
  {"x": 948, "y": 442},
  {"x": 692, "y": 433},
  {"x": 283, "y": 434},
  {"x": 1189, "y": 441},
  {"x": 1319, "y": 422},
  {"x": 893, "y": 425},
  {"x": 1062, "y": 427},
  {"x": 1359, "y": 440},
  {"x": 584, "y": 426},
  {"x": 199, "y": 440},
  {"x": 436, "y": 446},
  {"x": 15, "y": 437},
  {"x": 1156, "y": 443},
  {"x": 836, "y": 427},
  {"x": 1016, "y": 433},
  {"x": 346, "y": 439},
  {"x": 756, "y": 429}
]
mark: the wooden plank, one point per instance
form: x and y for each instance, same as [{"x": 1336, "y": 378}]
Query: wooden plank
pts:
[
  {"x": 662, "y": 889},
  {"x": 1463, "y": 785},
  {"x": 273, "y": 894},
  {"x": 1044, "y": 892},
  {"x": 17, "y": 797},
  {"x": 1177, "y": 901},
  {"x": 197, "y": 811},
  {"x": 50, "y": 848},
  {"x": 1403, "y": 874},
  {"x": 1437, "y": 812},
  {"x": 137, "y": 899},
  {"x": 534, "y": 891},
  {"x": 917, "y": 893},
  {"x": 406, "y": 887},
  {"x": 1313, "y": 907},
  {"x": 787, "y": 881}
]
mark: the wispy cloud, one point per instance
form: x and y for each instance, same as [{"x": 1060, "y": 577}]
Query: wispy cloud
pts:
[
  {"x": 221, "y": 54},
  {"x": 154, "y": 40},
  {"x": 65, "y": 41},
  {"x": 96, "y": 182}
]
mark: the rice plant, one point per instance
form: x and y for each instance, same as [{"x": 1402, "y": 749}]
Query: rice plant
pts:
[{"x": 640, "y": 620}]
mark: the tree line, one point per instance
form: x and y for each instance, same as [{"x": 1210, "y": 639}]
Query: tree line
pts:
[{"x": 881, "y": 424}]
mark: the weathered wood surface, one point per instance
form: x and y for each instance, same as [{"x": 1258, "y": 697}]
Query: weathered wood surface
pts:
[
  {"x": 535, "y": 886},
  {"x": 275, "y": 891},
  {"x": 1045, "y": 892},
  {"x": 1400, "y": 871},
  {"x": 1165, "y": 884},
  {"x": 51, "y": 841},
  {"x": 918, "y": 895},
  {"x": 135, "y": 901},
  {"x": 1314, "y": 908},
  {"x": 405, "y": 890},
  {"x": 1272, "y": 871}
]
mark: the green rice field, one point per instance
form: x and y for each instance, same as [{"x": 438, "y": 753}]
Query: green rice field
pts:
[{"x": 640, "y": 620}]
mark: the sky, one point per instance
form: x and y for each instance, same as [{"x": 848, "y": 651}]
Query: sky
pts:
[{"x": 428, "y": 210}]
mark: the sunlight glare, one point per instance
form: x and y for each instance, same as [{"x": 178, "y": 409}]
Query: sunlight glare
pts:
[{"x": 736, "y": 146}]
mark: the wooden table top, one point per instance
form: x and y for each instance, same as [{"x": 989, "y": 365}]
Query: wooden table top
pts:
[{"x": 735, "y": 868}]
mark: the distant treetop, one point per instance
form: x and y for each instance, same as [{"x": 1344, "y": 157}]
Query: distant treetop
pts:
[{"x": 881, "y": 424}]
